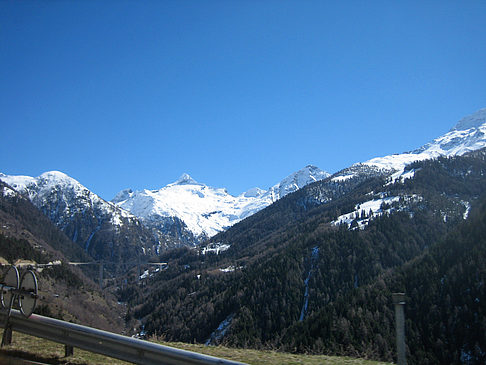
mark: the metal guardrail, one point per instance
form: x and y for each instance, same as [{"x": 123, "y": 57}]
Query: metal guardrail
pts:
[{"x": 107, "y": 343}]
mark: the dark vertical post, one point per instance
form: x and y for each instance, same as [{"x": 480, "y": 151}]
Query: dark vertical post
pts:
[
  {"x": 399, "y": 302},
  {"x": 7, "y": 336},
  {"x": 68, "y": 351}
]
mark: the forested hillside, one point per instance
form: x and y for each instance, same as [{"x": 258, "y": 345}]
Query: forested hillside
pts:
[
  {"x": 445, "y": 311},
  {"x": 292, "y": 267}
]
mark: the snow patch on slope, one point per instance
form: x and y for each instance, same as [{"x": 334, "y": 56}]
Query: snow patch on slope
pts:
[{"x": 371, "y": 209}]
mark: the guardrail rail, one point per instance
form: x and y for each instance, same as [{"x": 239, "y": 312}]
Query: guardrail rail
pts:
[{"x": 106, "y": 343}]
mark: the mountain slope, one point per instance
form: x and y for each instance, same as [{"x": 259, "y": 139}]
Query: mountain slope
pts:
[
  {"x": 270, "y": 279},
  {"x": 469, "y": 134},
  {"x": 102, "y": 229},
  {"x": 65, "y": 292},
  {"x": 446, "y": 320},
  {"x": 290, "y": 261}
]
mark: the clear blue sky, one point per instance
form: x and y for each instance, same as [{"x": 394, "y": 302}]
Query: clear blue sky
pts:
[{"x": 237, "y": 93}]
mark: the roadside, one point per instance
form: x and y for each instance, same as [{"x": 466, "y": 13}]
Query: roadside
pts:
[{"x": 29, "y": 350}]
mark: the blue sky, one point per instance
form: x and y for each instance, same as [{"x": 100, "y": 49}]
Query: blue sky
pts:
[{"x": 238, "y": 94}]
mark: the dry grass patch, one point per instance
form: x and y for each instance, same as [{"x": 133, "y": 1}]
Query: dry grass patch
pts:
[
  {"x": 38, "y": 349},
  {"x": 256, "y": 357}
]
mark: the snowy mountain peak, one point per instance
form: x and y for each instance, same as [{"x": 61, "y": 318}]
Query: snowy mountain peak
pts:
[
  {"x": 55, "y": 175},
  {"x": 185, "y": 179},
  {"x": 474, "y": 120},
  {"x": 297, "y": 180},
  {"x": 122, "y": 196},
  {"x": 58, "y": 178},
  {"x": 313, "y": 172},
  {"x": 468, "y": 135},
  {"x": 254, "y": 193},
  {"x": 204, "y": 210}
]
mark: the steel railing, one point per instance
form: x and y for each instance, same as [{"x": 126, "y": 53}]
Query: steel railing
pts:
[{"x": 106, "y": 343}]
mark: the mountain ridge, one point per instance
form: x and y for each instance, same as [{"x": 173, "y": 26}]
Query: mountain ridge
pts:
[
  {"x": 187, "y": 212},
  {"x": 101, "y": 228},
  {"x": 205, "y": 210}
]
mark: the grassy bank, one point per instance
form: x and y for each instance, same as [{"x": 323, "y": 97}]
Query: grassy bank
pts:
[{"x": 36, "y": 349}]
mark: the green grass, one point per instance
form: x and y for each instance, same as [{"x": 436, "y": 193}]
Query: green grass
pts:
[{"x": 37, "y": 349}]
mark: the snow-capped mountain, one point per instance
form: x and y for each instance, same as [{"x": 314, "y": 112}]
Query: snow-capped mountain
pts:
[
  {"x": 203, "y": 210},
  {"x": 469, "y": 134},
  {"x": 66, "y": 194},
  {"x": 103, "y": 229},
  {"x": 297, "y": 180},
  {"x": 187, "y": 211}
]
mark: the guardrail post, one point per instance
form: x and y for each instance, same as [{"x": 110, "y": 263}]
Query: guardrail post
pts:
[
  {"x": 7, "y": 335},
  {"x": 68, "y": 351},
  {"x": 399, "y": 302}
]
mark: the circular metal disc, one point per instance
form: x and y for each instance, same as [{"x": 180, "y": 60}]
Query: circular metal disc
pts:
[
  {"x": 27, "y": 300},
  {"x": 11, "y": 279}
]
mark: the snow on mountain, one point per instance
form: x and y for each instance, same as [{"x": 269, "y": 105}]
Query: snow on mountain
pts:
[
  {"x": 297, "y": 180},
  {"x": 205, "y": 210},
  {"x": 468, "y": 135},
  {"x": 67, "y": 193},
  {"x": 102, "y": 228}
]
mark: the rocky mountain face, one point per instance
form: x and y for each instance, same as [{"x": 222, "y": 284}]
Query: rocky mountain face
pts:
[
  {"x": 194, "y": 211},
  {"x": 102, "y": 229},
  {"x": 146, "y": 222}
]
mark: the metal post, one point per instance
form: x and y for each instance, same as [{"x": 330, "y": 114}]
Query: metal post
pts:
[
  {"x": 7, "y": 335},
  {"x": 68, "y": 350},
  {"x": 399, "y": 302}
]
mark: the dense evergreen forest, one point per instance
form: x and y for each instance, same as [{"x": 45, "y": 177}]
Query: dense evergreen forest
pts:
[
  {"x": 445, "y": 311},
  {"x": 296, "y": 281}
]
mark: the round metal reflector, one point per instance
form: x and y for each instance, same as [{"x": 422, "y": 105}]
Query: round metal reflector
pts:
[
  {"x": 28, "y": 296},
  {"x": 12, "y": 280}
]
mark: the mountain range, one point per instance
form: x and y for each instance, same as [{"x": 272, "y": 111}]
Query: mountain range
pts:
[
  {"x": 187, "y": 212},
  {"x": 145, "y": 222},
  {"x": 308, "y": 265},
  {"x": 204, "y": 210},
  {"x": 314, "y": 271}
]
